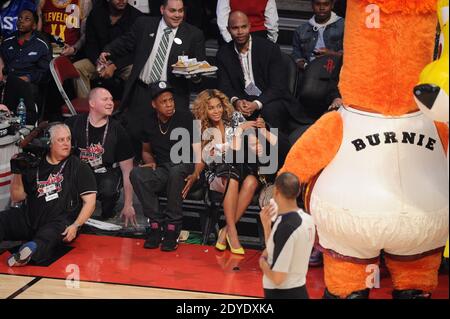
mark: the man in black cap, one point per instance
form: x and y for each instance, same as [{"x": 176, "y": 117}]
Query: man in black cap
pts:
[{"x": 168, "y": 167}]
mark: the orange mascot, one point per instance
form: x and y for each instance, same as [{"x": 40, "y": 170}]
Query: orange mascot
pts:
[{"x": 376, "y": 169}]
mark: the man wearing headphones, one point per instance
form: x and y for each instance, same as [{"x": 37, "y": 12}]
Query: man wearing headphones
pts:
[{"x": 60, "y": 197}]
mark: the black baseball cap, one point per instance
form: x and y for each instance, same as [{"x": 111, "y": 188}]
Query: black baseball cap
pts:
[{"x": 159, "y": 88}]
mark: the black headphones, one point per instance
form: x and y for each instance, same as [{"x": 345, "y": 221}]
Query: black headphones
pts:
[{"x": 46, "y": 138}]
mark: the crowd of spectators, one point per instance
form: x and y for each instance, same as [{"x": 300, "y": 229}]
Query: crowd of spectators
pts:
[{"x": 250, "y": 107}]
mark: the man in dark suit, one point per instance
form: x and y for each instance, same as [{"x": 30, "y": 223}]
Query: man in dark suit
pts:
[
  {"x": 156, "y": 43},
  {"x": 251, "y": 74}
]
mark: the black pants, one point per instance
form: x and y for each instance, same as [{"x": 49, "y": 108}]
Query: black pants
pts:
[
  {"x": 16, "y": 89},
  {"x": 108, "y": 187},
  {"x": 293, "y": 293},
  {"x": 15, "y": 226},
  {"x": 167, "y": 178}
]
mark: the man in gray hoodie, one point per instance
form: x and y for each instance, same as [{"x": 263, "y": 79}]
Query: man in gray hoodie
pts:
[{"x": 322, "y": 35}]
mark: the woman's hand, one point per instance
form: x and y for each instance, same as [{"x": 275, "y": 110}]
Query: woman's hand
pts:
[{"x": 247, "y": 125}]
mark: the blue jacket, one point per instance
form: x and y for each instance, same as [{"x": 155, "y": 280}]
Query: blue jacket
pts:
[
  {"x": 32, "y": 59},
  {"x": 305, "y": 39}
]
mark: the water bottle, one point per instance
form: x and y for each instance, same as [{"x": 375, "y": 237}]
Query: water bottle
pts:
[{"x": 22, "y": 113}]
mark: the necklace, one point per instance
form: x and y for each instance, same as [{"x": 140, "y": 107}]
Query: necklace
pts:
[{"x": 160, "y": 128}]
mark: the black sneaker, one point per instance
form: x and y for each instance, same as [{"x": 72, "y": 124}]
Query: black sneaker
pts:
[
  {"x": 170, "y": 240},
  {"x": 154, "y": 237}
]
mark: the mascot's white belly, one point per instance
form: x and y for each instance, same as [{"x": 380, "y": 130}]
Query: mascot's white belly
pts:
[{"x": 386, "y": 188}]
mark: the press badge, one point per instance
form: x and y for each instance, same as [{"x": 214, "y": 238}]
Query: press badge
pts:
[
  {"x": 100, "y": 170},
  {"x": 51, "y": 197},
  {"x": 96, "y": 162}
]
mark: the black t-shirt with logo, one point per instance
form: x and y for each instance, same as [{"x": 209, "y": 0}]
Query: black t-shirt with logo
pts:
[
  {"x": 53, "y": 191},
  {"x": 158, "y": 135},
  {"x": 117, "y": 146}
]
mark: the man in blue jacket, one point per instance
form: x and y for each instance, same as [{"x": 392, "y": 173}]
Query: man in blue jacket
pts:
[{"x": 24, "y": 62}]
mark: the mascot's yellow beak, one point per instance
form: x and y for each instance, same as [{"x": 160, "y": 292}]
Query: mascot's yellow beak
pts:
[{"x": 431, "y": 94}]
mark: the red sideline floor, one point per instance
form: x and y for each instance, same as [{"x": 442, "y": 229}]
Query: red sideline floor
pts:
[{"x": 192, "y": 267}]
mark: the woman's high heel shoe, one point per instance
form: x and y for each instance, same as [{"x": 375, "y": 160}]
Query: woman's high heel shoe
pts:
[
  {"x": 237, "y": 251},
  {"x": 220, "y": 246}
]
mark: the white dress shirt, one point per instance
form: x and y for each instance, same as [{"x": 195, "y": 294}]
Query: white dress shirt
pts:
[
  {"x": 247, "y": 69},
  {"x": 147, "y": 70}
]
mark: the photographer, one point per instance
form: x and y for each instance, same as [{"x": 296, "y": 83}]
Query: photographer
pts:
[{"x": 60, "y": 193}]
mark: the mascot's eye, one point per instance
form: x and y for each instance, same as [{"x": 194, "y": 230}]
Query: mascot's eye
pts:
[{"x": 442, "y": 45}]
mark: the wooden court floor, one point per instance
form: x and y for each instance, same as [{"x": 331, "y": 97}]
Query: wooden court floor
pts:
[
  {"x": 25, "y": 287},
  {"x": 103, "y": 267}
]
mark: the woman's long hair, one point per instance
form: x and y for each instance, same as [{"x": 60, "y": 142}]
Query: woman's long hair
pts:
[{"x": 200, "y": 109}]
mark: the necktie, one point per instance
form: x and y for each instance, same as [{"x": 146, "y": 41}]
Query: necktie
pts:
[{"x": 158, "y": 66}]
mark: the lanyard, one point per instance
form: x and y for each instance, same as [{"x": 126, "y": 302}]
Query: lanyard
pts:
[
  {"x": 104, "y": 133},
  {"x": 59, "y": 172}
]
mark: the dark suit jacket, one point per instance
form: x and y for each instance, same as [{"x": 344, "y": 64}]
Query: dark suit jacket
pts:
[
  {"x": 267, "y": 70},
  {"x": 140, "y": 40}
]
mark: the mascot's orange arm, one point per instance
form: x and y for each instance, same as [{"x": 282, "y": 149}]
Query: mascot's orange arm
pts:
[
  {"x": 316, "y": 148},
  {"x": 442, "y": 129}
]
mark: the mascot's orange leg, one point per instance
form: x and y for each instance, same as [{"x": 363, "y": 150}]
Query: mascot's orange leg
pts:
[
  {"x": 414, "y": 279},
  {"x": 345, "y": 279}
]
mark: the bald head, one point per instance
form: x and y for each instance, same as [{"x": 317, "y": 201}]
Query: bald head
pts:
[
  {"x": 100, "y": 102},
  {"x": 239, "y": 28},
  {"x": 237, "y": 17},
  {"x": 288, "y": 185},
  {"x": 95, "y": 93}
]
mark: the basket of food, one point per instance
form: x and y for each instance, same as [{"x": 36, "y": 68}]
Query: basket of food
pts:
[{"x": 192, "y": 67}]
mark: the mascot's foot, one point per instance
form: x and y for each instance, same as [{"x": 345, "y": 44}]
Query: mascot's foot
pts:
[
  {"x": 360, "y": 294},
  {"x": 410, "y": 294},
  {"x": 415, "y": 275},
  {"x": 345, "y": 278}
]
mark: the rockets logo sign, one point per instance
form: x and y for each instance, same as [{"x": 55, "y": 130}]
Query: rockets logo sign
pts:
[
  {"x": 91, "y": 153},
  {"x": 53, "y": 179}
]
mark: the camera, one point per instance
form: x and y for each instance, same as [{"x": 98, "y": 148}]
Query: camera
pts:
[
  {"x": 30, "y": 157},
  {"x": 35, "y": 146}
]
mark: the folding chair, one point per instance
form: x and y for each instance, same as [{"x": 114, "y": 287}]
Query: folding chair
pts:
[{"x": 62, "y": 69}]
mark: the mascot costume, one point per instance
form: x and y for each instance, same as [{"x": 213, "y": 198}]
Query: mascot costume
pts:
[{"x": 376, "y": 169}]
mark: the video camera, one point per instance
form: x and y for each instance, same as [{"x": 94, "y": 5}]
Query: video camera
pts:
[{"x": 34, "y": 146}]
